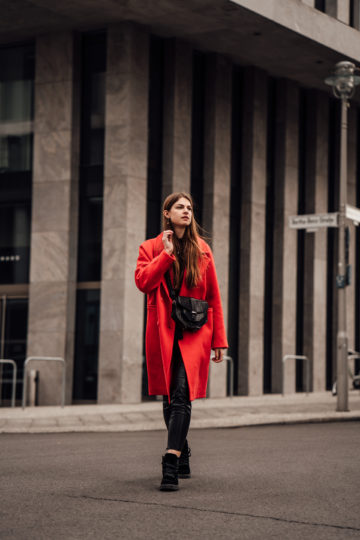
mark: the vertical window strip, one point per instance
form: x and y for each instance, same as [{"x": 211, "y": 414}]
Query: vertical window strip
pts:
[
  {"x": 91, "y": 177},
  {"x": 356, "y": 270},
  {"x": 331, "y": 240},
  {"x": 235, "y": 220},
  {"x": 301, "y": 238},
  {"x": 269, "y": 240},
  {"x": 197, "y": 133},
  {"x": 155, "y": 158}
]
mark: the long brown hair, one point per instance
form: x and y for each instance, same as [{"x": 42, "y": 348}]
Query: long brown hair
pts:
[{"x": 192, "y": 253}]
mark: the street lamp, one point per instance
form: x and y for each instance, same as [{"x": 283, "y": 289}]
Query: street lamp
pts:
[{"x": 343, "y": 83}]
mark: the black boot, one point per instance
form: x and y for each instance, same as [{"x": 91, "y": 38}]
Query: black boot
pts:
[
  {"x": 184, "y": 463},
  {"x": 170, "y": 468}
]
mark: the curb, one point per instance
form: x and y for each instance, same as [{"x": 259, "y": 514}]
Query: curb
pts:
[{"x": 247, "y": 420}]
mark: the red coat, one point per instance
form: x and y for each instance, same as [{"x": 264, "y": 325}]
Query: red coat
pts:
[{"x": 195, "y": 347}]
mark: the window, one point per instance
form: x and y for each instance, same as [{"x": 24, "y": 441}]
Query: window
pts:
[
  {"x": 320, "y": 5},
  {"x": 16, "y": 146},
  {"x": 355, "y": 14},
  {"x": 92, "y": 157}
]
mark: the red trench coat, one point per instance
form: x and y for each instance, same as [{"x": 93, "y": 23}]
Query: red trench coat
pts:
[{"x": 195, "y": 347}]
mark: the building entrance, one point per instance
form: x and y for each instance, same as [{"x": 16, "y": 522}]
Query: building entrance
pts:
[{"x": 13, "y": 335}]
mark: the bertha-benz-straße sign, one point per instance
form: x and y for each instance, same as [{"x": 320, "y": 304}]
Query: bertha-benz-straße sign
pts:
[{"x": 313, "y": 221}]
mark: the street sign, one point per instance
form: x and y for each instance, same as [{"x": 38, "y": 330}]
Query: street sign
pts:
[
  {"x": 312, "y": 222},
  {"x": 353, "y": 213}
]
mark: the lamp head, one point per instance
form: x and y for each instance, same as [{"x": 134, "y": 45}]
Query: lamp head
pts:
[{"x": 344, "y": 80}]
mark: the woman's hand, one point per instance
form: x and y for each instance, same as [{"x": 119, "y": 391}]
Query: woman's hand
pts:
[
  {"x": 167, "y": 241},
  {"x": 219, "y": 355}
]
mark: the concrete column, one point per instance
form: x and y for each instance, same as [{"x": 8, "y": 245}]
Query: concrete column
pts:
[
  {"x": 177, "y": 117},
  {"x": 343, "y": 11},
  {"x": 124, "y": 224},
  {"x": 217, "y": 181},
  {"x": 331, "y": 7},
  {"x": 351, "y": 199},
  {"x": 317, "y": 350},
  {"x": 310, "y": 3},
  {"x": 54, "y": 213},
  {"x": 285, "y": 250},
  {"x": 314, "y": 322},
  {"x": 252, "y": 253}
]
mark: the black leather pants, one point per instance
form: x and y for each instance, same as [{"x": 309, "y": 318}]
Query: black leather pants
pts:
[{"x": 177, "y": 413}]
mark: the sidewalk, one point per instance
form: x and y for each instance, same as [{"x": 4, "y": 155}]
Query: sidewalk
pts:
[{"x": 209, "y": 413}]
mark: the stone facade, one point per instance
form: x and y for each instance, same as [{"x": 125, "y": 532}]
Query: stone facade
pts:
[
  {"x": 51, "y": 324},
  {"x": 54, "y": 228}
]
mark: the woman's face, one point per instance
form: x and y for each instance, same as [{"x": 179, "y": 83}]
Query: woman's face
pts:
[{"x": 180, "y": 213}]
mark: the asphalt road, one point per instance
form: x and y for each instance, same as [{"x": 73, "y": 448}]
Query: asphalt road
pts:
[{"x": 283, "y": 482}]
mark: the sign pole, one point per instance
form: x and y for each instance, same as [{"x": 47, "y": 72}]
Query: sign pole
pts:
[{"x": 342, "y": 338}]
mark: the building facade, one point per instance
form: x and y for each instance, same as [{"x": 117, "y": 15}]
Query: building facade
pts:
[{"x": 106, "y": 110}]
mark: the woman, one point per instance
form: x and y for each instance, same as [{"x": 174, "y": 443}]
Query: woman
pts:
[{"x": 177, "y": 359}]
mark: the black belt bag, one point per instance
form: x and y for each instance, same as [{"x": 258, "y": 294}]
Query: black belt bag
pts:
[{"x": 188, "y": 313}]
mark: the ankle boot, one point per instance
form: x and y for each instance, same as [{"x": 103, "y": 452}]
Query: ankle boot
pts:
[
  {"x": 170, "y": 467},
  {"x": 184, "y": 463}
]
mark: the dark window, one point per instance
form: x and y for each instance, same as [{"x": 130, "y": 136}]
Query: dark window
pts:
[
  {"x": 155, "y": 155},
  {"x": 303, "y": 119},
  {"x": 333, "y": 201},
  {"x": 355, "y": 14},
  {"x": 13, "y": 332},
  {"x": 86, "y": 345},
  {"x": 235, "y": 220},
  {"x": 197, "y": 133},
  {"x": 320, "y": 5},
  {"x": 155, "y": 148},
  {"x": 356, "y": 270},
  {"x": 16, "y": 147},
  {"x": 269, "y": 242},
  {"x": 92, "y": 157}
]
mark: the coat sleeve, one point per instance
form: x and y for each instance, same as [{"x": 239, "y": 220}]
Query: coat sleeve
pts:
[
  {"x": 150, "y": 270},
  {"x": 214, "y": 300}
]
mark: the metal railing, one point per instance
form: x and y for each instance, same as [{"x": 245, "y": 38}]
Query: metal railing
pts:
[
  {"x": 13, "y": 392},
  {"x": 352, "y": 355},
  {"x": 230, "y": 362},
  {"x": 45, "y": 359},
  {"x": 296, "y": 357}
]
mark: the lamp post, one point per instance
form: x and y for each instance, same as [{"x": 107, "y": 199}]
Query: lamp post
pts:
[{"x": 343, "y": 83}]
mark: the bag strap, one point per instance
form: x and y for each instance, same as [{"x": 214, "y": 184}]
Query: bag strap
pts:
[{"x": 172, "y": 292}]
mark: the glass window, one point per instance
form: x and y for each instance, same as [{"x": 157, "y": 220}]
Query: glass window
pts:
[
  {"x": 13, "y": 332},
  {"x": 92, "y": 157},
  {"x": 86, "y": 345},
  {"x": 355, "y": 14},
  {"x": 16, "y": 146},
  {"x": 197, "y": 133},
  {"x": 320, "y": 5}
]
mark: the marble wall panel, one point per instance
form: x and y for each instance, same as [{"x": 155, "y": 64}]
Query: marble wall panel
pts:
[
  {"x": 51, "y": 323},
  {"x": 343, "y": 11},
  {"x": 49, "y": 257},
  {"x": 50, "y": 211},
  {"x": 177, "y": 117},
  {"x": 52, "y": 160},
  {"x": 315, "y": 307},
  {"x": 217, "y": 181},
  {"x": 113, "y": 250},
  {"x": 53, "y": 107},
  {"x": 47, "y": 307},
  {"x": 112, "y": 308},
  {"x": 284, "y": 239},
  {"x": 121, "y": 327},
  {"x": 115, "y": 194},
  {"x": 54, "y": 59},
  {"x": 252, "y": 253}
]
